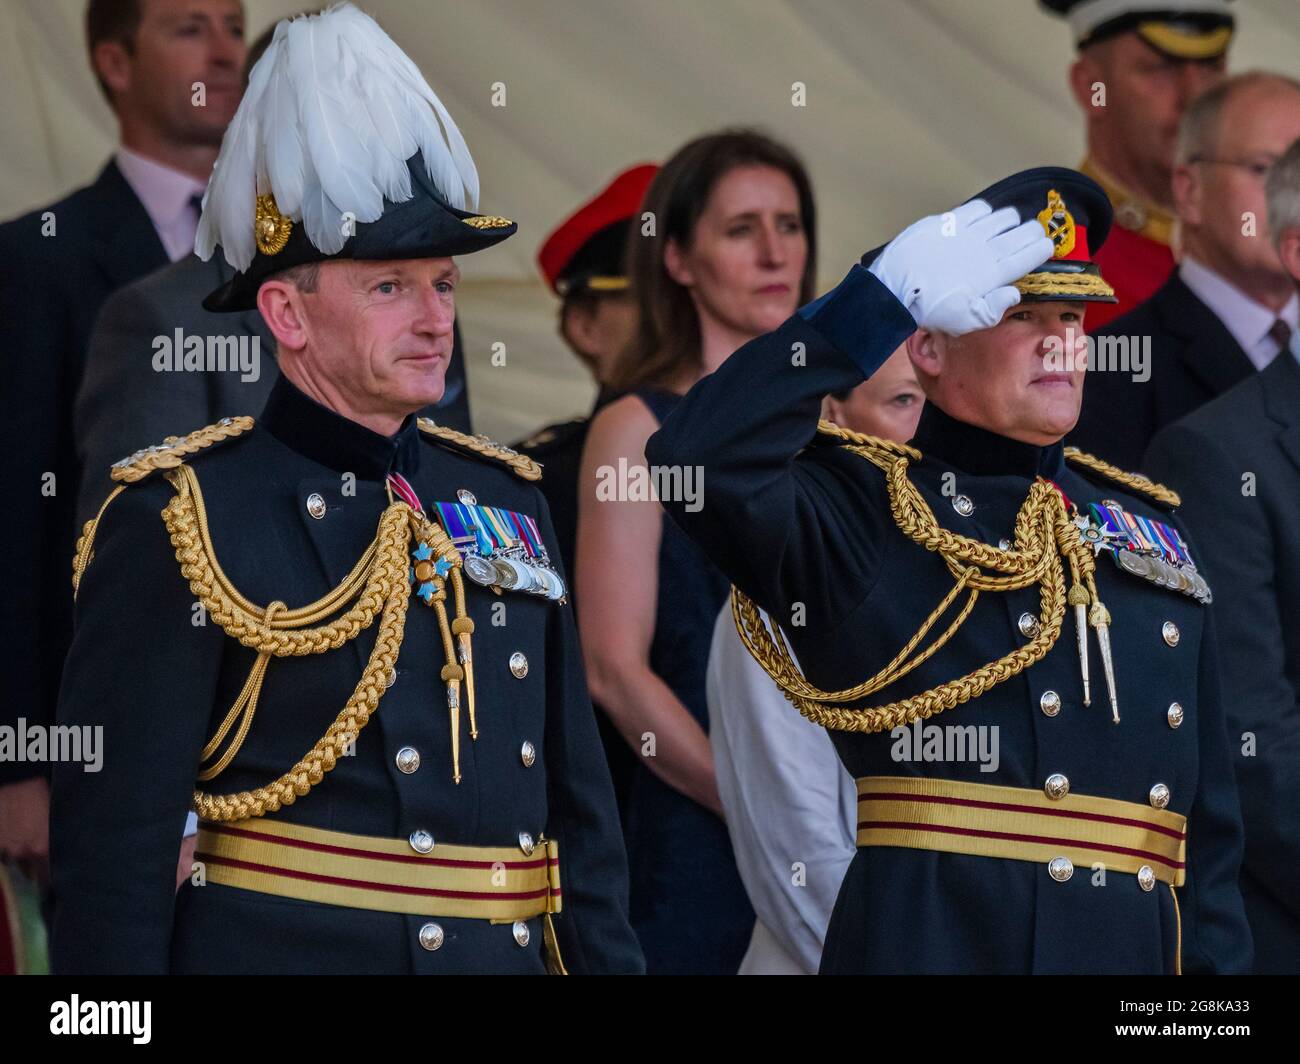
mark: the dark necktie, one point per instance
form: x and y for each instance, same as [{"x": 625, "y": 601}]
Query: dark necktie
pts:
[{"x": 1281, "y": 332}]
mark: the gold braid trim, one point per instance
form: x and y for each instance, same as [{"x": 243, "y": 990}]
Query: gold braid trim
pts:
[
  {"x": 1135, "y": 482},
  {"x": 172, "y": 451},
  {"x": 1044, "y": 535},
  {"x": 379, "y": 583},
  {"x": 521, "y": 464},
  {"x": 1066, "y": 284},
  {"x": 85, "y": 551}
]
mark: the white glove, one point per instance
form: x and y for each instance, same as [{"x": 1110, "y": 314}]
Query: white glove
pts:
[{"x": 953, "y": 272}]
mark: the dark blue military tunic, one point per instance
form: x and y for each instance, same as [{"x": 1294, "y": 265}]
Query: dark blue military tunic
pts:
[
  {"x": 158, "y": 683},
  {"x": 688, "y": 903},
  {"x": 794, "y": 524}
]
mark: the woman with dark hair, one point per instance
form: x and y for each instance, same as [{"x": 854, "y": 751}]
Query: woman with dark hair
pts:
[{"x": 730, "y": 256}]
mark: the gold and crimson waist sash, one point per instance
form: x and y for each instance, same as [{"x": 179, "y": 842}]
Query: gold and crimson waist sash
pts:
[
  {"x": 366, "y": 872},
  {"x": 1021, "y": 825}
]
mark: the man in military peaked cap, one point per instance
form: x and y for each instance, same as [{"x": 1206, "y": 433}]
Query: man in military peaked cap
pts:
[
  {"x": 1009, "y": 641},
  {"x": 1140, "y": 64},
  {"x": 339, "y": 633}
]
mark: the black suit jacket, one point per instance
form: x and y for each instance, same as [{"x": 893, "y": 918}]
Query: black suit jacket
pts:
[
  {"x": 1236, "y": 462},
  {"x": 1193, "y": 359},
  {"x": 61, "y": 263}
]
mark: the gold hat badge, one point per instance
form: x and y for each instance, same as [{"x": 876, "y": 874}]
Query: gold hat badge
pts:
[
  {"x": 1058, "y": 223},
  {"x": 271, "y": 229}
]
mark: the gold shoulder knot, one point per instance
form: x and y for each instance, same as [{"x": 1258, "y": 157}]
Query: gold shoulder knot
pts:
[
  {"x": 520, "y": 464},
  {"x": 1135, "y": 482},
  {"x": 838, "y": 434},
  {"x": 174, "y": 449}
]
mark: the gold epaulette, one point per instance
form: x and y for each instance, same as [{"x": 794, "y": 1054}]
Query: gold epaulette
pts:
[
  {"x": 174, "y": 449},
  {"x": 1134, "y": 482},
  {"x": 518, "y": 463},
  {"x": 134, "y": 467}
]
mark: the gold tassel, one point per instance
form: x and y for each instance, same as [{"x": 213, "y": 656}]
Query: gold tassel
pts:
[
  {"x": 1078, "y": 598},
  {"x": 459, "y": 656},
  {"x": 452, "y": 674},
  {"x": 453, "y": 709},
  {"x": 1099, "y": 617},
  {"x": 463, "y": 628}
]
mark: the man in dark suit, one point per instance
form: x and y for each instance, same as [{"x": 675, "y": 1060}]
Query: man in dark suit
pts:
[
  {"x": 141, "y": 212},
  {"x": 1236, "y": 462},
  {"x": 1229, "y": 308}
]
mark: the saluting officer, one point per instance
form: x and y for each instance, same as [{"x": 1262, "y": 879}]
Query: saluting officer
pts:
[
  {"x": 981, "y": 579},
  {"x": 340, "y": 633}
]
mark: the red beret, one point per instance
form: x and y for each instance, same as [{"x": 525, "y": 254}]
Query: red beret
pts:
[{"x": 618, "y": 202}]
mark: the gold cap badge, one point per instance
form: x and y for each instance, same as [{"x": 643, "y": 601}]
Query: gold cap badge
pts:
[
  {"x": 1058, "y": 223},
  {"x": 271, "y": 229}
]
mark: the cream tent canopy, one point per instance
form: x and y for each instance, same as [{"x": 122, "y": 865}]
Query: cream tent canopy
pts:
[{"x": 908, "y": 106}]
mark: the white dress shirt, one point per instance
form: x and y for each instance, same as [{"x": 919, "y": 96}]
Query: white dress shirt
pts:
[
  {"x": 791, "y": 807},
  {"x": 166, "y": 195},
  {"x": 1248, "y": 321}
]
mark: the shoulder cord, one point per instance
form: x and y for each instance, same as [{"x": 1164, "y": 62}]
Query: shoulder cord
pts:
[
  {"x": 1044, "y": 535},
  {"x": 379, "y": 582},
  {"x": 86, "y": 543},
  {"x": 1134, "y": 481},
  {"x": 521, "y": 464}
]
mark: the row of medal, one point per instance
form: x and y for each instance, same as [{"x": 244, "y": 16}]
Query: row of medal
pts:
[
  {"x": 1144, "y": 547},
  {"x": 501, "y": 549}
]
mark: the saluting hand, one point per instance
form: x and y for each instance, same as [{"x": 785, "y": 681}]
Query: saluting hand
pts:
[{"x": 953, "y": 271}]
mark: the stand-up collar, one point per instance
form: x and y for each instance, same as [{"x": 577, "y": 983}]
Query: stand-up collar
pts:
[
  {"x": 318, "y": 433},
  {"x": 981, "y": 452}
]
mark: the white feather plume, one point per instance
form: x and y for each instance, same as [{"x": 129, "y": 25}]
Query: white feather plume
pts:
[{"x": 333, "y": 111}]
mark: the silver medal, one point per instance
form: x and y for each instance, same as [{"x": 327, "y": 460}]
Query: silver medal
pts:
[{"x": 480, "y": 570}]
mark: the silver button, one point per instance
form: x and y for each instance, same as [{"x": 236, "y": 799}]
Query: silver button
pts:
[
  {"x": 421, "y": 841},
  {"x": 431, "y": 936},
  {"x": 316, "y": 505},
  {"x": 963, "y": 505},
  {"x": 408, "y": 760},
  {"x": 1159, "y": 796},
  {"x": 1004, "y": 544},
  {"x": 519, "y": 665},
  {"x": 1146, "y": 877},
  {"x": 1060, "y": 868},
  {"x": 526, "y": 843},
  {"x": 1174, "y": 714},
  {"x": 1170, "y": 631},
  {"x": 1050, "y": 703},
  {"x": 1056, "y": 787},
  {"x": 466, "y": 496},
  {"x": 1028, "y": 625},
  {"x": 528, "y": 754},
  {"x": 522, "y": 934}
]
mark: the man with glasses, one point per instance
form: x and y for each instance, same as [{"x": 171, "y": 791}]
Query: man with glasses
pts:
[{"x": 1230, "y": 307}]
